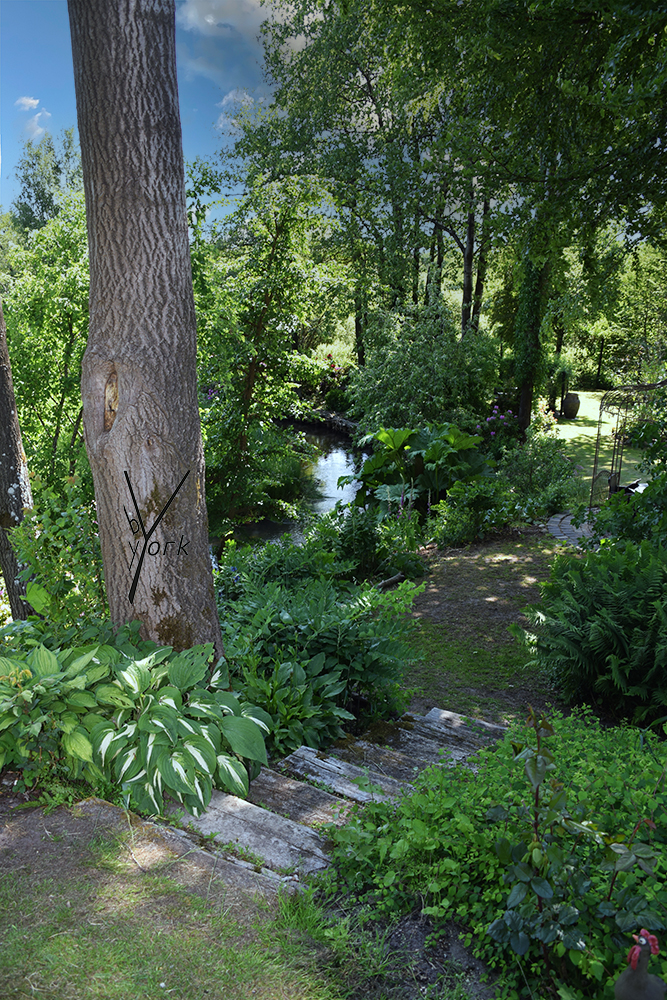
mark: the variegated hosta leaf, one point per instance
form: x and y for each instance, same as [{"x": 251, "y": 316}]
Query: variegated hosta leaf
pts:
[
  {"x": 201, "y": 752},
  {"x": 177, "y": 772},
  {"x": 145, "y": 796},
  {"x": 190, "y": 666},
  {"x": 128, "y": 763},
  {"x": 259, "y": 716},
  {"x": 101, "y": 737},
  {"x": 212, "y": 733},
  {"x": 220, "y": 676},
  {"x": 160, "y": 719},
  {"x": 229, "y": 704},
  {"x": 171, "y": 697},
  {"x": 232, "y": 775},
  {"x": 188, "y": 727},
  {"x": 204, "y": 705},
  {"x": 152, "y": 745},
  {"x": 135, "y": 678}
]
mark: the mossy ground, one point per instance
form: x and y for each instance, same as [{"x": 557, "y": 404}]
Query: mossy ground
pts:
[{"x": 470, "y": 663}]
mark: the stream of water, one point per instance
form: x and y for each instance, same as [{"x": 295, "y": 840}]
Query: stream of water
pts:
[{"x": 336, "y": 458}]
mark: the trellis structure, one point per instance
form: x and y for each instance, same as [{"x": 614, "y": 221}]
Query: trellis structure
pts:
[{"x": 617, "y": 404}]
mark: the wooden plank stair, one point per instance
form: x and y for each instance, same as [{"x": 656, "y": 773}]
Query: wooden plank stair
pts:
[{"x": 275, "y": 831}]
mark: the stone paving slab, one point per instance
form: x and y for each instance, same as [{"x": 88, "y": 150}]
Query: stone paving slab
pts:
[{"x": 561, "y": 527}]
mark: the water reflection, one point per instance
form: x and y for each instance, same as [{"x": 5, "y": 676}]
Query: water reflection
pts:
[{"x": 336, "y": 458}]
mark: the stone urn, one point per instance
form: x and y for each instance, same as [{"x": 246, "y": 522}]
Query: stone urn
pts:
[{"x": 571, "y": 405}]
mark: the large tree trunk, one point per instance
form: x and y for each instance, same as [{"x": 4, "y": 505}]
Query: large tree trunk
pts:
[
  {"x": 468, "y": 259},
  {"x": 139, "y": 388},
  {"x": 15, "y": 492}
]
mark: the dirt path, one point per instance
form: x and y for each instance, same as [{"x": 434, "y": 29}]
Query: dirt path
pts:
[{"x": 471, "y": 662}]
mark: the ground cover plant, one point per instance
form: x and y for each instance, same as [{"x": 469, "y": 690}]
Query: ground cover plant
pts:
[
  {"x": 551, "y": 855},
  {"x": 139, "y": 717},
  {"x": 311, "y": 646}
]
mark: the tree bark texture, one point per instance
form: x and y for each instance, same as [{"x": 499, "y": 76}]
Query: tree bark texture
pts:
[
  {"x": 139, "y": 382},
  {"x": 468, "y": 260},
  {"x": 15, "y": 492}
]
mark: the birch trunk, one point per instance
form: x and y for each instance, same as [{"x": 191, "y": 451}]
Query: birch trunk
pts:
[
  {"x": 15, "y": 492},
  {"x": 139, "y": 385}
]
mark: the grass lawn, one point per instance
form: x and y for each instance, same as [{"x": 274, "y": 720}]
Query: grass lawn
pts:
[{"x": 580, "y": 437}]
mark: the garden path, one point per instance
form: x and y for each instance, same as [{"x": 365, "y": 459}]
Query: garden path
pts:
[{"x": 561, "y": 527}]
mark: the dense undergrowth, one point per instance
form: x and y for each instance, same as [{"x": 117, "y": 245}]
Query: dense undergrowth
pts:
[
  {"x": 314, "y": 647},
  {"x": 311, "y": 647},
  {"x": 549, "y": 853}
]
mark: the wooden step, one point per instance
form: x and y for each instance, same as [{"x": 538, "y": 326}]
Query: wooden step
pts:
[
  {"x": 297, "y": 800},
  {"x": 452, "y": 720},
  {"x": 278, "y": 843},
  {"x": 403, "y": 765},
  {"x": 341, "y": 777}
]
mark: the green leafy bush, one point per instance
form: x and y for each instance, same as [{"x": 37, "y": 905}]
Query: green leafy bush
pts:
[
  {"x": 600, "y": 629},
  {"x": 308, "y": 644},
  {"x": 148, "y": 720},
  {"x": 474, "y": 510},
  {"x": 410, "y": 466},
  {"x": 58, "y": 545},
  {"x": 540, "y": 474},
  {"x": 418, "y": 370},
  {"x": 571, "y": 870}
]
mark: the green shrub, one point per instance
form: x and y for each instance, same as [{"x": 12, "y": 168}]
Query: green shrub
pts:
[
  {"x": 473, "y": 511},
  {"x": 564, "y": 855},
  {"x": 540, "y": 474},
  {"x": 418, "y": 370},
  {"x": 361, "y": 635},
  {"x": 148, "y": 720},
  {"x": 600, "y": 629},
  {"x": 58, "y": 545},
  {"x": 284, "y": 607},
  {"x": 639, "y": 517}
]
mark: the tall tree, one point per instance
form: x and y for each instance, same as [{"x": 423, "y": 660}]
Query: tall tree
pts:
[
  {"x": 46, "y": 307},
  {"x": 339, "y": 114},
  {"x": 15, "y": 493},
  {"x": 139, "y": 385},
  {"x": 46, "y": 170}
]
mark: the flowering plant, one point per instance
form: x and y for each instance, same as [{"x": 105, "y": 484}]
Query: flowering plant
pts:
[{"x": 498, "y": 431}]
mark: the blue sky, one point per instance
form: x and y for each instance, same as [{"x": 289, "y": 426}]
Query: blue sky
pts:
[{"x": 217, "y": 56}]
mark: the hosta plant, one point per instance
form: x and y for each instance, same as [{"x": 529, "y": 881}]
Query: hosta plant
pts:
[{"x": 159, "y": 724}]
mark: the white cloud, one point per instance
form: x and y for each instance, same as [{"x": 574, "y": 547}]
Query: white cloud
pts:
[
  {"x": 236, "y": 97},
  {"x": 34, "y": 126},
  {"x": 233, "y": 102},
  {"x": 222, "y": 17},
  {"x": 27, "y": 103}
]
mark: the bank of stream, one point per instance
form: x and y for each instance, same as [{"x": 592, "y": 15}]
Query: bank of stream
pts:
[{"x": 336, "y": 457}]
